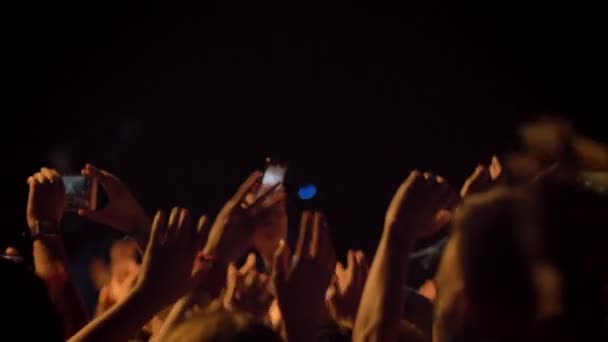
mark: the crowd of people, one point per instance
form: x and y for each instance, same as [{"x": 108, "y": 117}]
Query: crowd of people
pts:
[{"x": 525, "y": 260}]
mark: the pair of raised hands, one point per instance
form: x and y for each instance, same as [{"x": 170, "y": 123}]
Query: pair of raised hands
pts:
[
  {"x": 47, "y": 201},
  {"x": 169, "y": 267}
]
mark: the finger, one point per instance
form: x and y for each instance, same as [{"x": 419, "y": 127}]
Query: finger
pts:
[
  {"x": 280, "y": 265},
  {"x": 351, "y": 269},
  {"x": 476, "y": 182},
  {"x": 202, "y": 231},
  {"x": 250, "y": 279},
  {"x": 249, "y": 264},
  {"x": 50, "y": 174},
  {"x": 157, "y": 231},
  {"x": 246, "y": 187},
  {"x": 172, "y": 225},
  {"x": 304, "y": 239},
  {"x": 185, "y": 229},
  {"x": 231, "y": 280},
  {"x": 232, "y": 275},
  {"x": 331, "y": 292},
  {"x": 249, "y": 199},
  {"x": 264, "y": 201},
  {"x": 362, "y": 268},
  {"x": 428, "y": 176},
  {"x": 362, "y": 262},
  {"x": 339, "y": 269},
  {"x": 412, "y": 184},
  {"x": 495, "y": 168},
  {"x": 39, "y": 177},
  {"x": 107, "y": 180}
]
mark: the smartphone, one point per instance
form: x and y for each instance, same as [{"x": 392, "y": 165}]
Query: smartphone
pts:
[
  {"x": 81, "y": 192},
  {"x": 274, "y": 174}
]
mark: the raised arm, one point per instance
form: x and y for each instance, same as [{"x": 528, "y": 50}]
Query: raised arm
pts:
[
  {"x": 301, "y": 284},
  {"x": 411, "y": 212},
  {"x": 45, "y": 207},
  {"x": 123, "y": 212},
  {"x": 166, "y": 275}
]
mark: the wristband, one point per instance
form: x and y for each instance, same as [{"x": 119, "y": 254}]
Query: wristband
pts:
[{"x": 43, "y": 227}]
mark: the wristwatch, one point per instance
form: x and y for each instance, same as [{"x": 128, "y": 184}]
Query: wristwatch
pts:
[{"x": 44, "y": 227}]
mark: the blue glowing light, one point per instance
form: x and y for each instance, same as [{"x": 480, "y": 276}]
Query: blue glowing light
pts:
[{"x": 307, "y": 191}]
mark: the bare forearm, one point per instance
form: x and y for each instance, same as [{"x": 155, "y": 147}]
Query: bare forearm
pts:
[
  {"x": 383, "y": 298},
  {"x": 49, "y": 256},
  {"x": 50, "y": 263},
  {"x": 176, "y": 316},
  {"x": 121, "y": 321}
]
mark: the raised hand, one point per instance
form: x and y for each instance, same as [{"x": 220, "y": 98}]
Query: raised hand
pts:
[
  {"x": 46, "y": 200},
  {"x": 411, "y": 214},
  {"x": 233, "y": 229},
  {"x": 247, "y": 290},
  {"x": 45, "y": 206},
  {"x": 344, "y": 293},
  {"x": 123, "y": 212},
  {"x": 300, "y": 287},
  {"x": 270, "y": 223},
  {"x": 167, "y": 269},
  {"x": 482, "y": 177},
  {"x": 417, "y": 203}
]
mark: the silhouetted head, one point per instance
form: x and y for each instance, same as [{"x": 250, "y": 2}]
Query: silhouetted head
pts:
[
  {"x": 29, "y": 313},
  {"x": 222, "y": 326}
]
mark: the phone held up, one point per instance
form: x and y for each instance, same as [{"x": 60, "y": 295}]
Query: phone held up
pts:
[
  {"x": 81, "y": 192},
  {"x": 273, "y": 176}
]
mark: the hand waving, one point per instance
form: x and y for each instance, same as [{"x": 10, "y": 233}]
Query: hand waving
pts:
[
  {"x": 46, "y": 200},
  {"x": 344, "y": 294},
  {"x": 166, "y": 271},
  {"x": 300, "y": 288},
  {"x": 123, "y": 212}
]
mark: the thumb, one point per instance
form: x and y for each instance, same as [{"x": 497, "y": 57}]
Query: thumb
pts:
[{"x": 280, "y": 265}]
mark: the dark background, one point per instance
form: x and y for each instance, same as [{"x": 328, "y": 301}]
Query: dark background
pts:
[{"x": 182, "y": 101}]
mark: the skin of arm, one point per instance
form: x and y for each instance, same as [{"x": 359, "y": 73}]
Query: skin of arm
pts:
[
  {"x": 410, "y": 215},
  {"x": 383, "y": 299},
  {"x": 118, "y": 323},
  {"x": 50, "y": 263},
  {"x": 46, "y": 203}
]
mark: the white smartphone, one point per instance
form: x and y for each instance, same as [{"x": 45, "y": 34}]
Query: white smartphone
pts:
[
  {"x": 80, "y": 191},
  {"x": 274, "y": 174}
]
